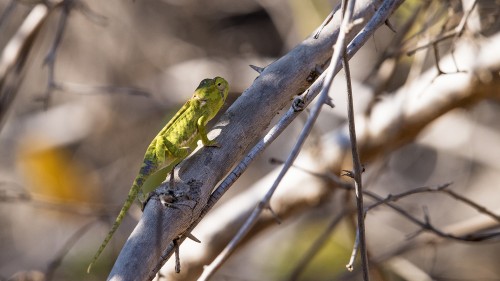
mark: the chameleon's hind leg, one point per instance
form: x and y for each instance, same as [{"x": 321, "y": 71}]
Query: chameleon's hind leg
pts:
[
  {"x": 166, "y": 154},
  {"x": 171, "y": 181},
  {"x": 170, "y": 176}
]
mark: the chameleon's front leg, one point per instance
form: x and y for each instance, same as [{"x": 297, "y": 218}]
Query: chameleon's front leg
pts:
[
  {"x": 200, "y": 124},
  {"x": 166, "y": 151}
]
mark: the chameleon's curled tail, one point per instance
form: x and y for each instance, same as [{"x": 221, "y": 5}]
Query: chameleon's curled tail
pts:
[{"x": 130, "y": 199}]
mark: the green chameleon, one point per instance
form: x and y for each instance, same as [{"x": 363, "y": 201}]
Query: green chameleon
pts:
[{"x": 176, "y": 141}]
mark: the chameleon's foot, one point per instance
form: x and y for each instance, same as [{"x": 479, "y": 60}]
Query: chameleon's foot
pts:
[{"x": 167, "y": 199}]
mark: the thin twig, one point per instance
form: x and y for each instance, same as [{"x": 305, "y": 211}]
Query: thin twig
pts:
[
  {"x": 324, "y": 23},
  {"x": 461, "y": 28},
  {"x": 358, "y": 170},
  {"x": 439, "y": 189},
  {"x": 427, "y": 226},
  {"x": 437, "y": 59},
  {"x": 391, "y": 55},
  {"x": 434, "y": 15},
  {"x": 396, "y": 197},
  {"x": 454, "y": 33},
  {"x": 466, "y": 227},
  {"x": 471, "y": 203},
  {"x": 354, "y": 253}
]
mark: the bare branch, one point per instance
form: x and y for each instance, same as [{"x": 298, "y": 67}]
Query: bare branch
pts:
[{"x": 357, "y": 171}]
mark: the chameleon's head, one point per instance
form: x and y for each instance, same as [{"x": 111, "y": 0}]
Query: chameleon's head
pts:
[{"x": 215, "y": 89}]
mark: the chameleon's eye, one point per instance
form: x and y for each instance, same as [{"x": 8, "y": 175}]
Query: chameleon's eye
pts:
[{"x": 221, "y": 86}]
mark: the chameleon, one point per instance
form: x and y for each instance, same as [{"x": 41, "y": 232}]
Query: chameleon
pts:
[{"x": 175, "y": 142}]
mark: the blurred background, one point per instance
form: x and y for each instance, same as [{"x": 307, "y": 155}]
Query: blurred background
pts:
[{"x": 101, "y": 80}]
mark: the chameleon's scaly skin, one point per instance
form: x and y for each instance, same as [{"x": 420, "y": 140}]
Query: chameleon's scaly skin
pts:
[{"x": 176, "y": 141}]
